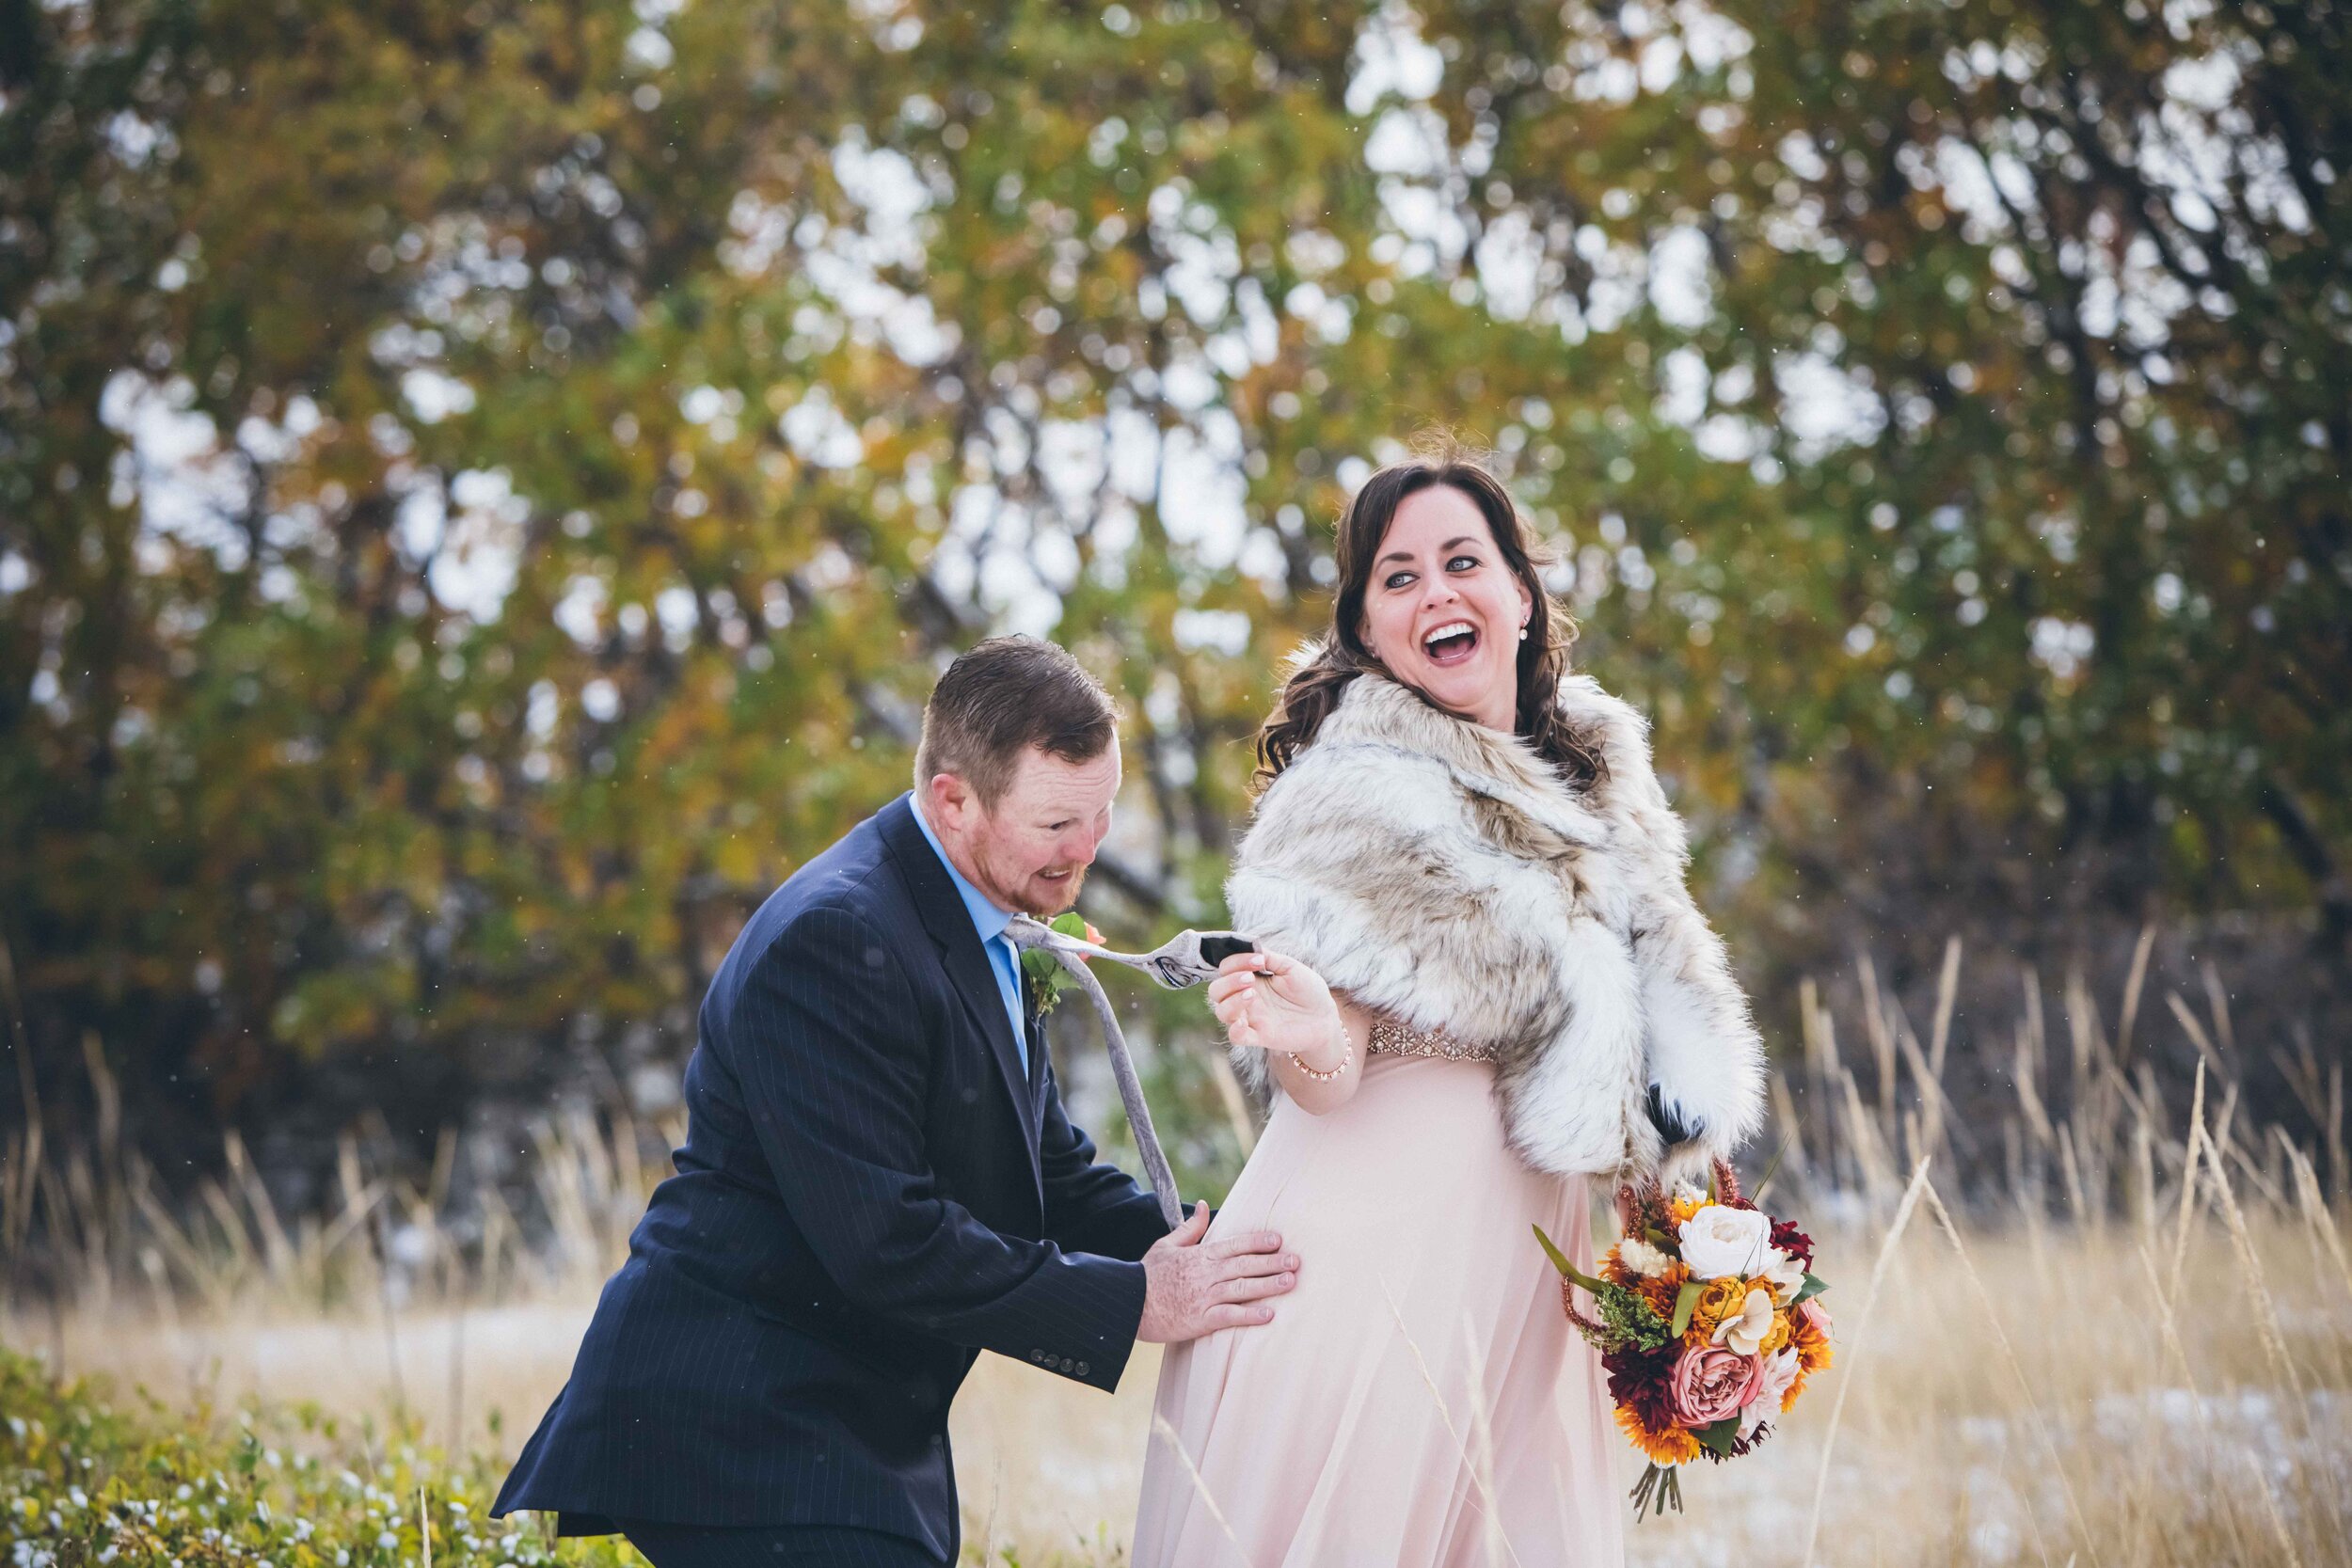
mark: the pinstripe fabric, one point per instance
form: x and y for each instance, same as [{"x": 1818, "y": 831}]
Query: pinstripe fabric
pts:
[
  {"x": 872, "y": 1191},
  {"x": 773, "y": 1546}
]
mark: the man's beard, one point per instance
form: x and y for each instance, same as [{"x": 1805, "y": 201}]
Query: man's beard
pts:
[
  {"x": 1066, "y": 891},
  {"x": 1031, "y": 894}
]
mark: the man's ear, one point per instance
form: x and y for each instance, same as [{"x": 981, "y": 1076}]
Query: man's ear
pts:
[{"x": 947, "y": 801}]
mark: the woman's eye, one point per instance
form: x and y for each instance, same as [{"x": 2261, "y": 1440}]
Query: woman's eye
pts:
[
  {"x": 1398, "y": 580},
  {"x": 1462, "y": 563}
]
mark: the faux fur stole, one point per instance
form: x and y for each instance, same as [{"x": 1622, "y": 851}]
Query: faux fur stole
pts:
[{"x": 1443, "y": 874}]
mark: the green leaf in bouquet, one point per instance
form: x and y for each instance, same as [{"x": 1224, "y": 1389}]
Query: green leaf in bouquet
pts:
[
  {"x": 1719, "y": 1437},
  {"x": 1551, "y": 1250},
  {"x": 1686, "y": 1302},
  {"x": 1814, "y": 1285},
  {"x": 1568, "y": 1269},
  {"x": 1670, "y": 1246}
]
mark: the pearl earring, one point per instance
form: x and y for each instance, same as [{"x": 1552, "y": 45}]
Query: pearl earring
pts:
[{"x": 1522, "y": 633}]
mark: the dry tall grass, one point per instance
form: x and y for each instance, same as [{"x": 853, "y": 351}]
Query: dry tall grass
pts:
[{"x": 2135, "y": 1347}]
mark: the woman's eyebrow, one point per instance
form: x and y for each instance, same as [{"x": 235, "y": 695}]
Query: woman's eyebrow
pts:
[{"x": 1408, "y": 555}]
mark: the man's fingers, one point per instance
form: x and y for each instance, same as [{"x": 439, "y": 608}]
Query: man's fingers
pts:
[
  {"x": 1250, "y": 1263},
  {"x": 1253, "y": 1241},
  {"x": 1238, "y": 1315},
  {"x": 1253, "y": 1290}
]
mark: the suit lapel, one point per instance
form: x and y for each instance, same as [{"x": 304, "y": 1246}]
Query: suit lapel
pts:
[{"x": 950, "y": 927}]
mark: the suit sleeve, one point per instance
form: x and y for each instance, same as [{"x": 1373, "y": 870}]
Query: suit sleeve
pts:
[
  {"x": 829, "y": 1044},
  {"x": 1091, "y": 1207}
]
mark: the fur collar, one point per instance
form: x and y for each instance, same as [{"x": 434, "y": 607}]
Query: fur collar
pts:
[{"x": 1443, "y": 874}]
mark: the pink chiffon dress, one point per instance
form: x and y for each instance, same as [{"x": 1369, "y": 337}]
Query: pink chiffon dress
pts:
[{"x": 1419, "y": 1400}]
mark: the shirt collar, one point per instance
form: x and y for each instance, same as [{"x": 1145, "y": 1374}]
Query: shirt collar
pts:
[{"x": 987, "y": 919}]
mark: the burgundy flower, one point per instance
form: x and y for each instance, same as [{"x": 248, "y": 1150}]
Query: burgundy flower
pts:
[
  {"x": 1793, "y": 1242},
  {"x": 1642, "y": 1381}
]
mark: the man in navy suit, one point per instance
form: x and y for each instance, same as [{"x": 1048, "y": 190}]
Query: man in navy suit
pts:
[{"x": 879, "y": 1180}]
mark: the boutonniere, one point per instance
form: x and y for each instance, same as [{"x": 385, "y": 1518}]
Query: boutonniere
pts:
[{"x": 1048, "y": 979}]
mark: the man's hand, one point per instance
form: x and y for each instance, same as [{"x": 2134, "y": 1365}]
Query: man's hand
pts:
[{"x": 1191, "y": 1289}]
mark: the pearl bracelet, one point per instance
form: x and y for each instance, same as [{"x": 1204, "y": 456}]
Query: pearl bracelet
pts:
[{"x": 1347, "y": 1055}]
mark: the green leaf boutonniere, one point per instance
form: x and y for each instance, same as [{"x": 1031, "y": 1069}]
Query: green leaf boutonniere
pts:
[{"x": 1048, "y": 979}]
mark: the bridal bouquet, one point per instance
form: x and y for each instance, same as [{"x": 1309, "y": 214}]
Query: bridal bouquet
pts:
[{"x": 1708, "y": 1326}]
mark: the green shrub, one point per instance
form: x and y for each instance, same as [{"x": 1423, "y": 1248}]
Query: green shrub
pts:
[{"x": 85, "y": 1480}]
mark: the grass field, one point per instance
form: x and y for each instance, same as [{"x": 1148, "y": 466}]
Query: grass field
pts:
[
  {"x": 2038, "y": 1397},
  {"x": 2137, "y": 1352}
]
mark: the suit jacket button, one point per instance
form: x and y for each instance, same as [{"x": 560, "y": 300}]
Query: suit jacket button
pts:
[
  {"x": 1082, "y": 1369},
  {"x": 1068, "y": 1365}
]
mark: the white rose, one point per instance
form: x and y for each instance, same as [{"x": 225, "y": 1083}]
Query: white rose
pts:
[
  {"x": 1780, "y": 1371},
  {"x": 1720, "y": 1243},
  {"x": 1642, "y": 1258}
]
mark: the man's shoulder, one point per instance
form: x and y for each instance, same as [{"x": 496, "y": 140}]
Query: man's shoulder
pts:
[{"x": 856, "y": 883}]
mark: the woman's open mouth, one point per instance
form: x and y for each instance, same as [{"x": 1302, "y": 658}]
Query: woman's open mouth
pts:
[{"x": 1450, "y": 644}]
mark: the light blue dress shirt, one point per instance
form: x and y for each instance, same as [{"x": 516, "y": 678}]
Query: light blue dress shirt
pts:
[{"x": 990, "y": 922}]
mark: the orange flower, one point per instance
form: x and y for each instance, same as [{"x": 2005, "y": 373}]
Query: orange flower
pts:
[
  {"x": 1778, "y": 1337},
  {"x": 1804, "y": 1332},
  {"x": 1796, "y": 1386},
  {"x": 1662, "y": 1291},
  {"x": 1667, "y": 1446}
]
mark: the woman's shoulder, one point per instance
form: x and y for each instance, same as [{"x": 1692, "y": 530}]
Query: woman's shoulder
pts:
[{"x": 1614, "y": 726}]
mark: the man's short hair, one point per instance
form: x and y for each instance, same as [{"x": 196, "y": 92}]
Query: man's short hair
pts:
[{"x": 1002, "y": 697}]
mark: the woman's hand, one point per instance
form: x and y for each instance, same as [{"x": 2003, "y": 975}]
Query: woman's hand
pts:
[{"x": 1269, "y": 1002}]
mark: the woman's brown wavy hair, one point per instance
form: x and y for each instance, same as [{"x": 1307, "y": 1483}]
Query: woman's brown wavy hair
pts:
[{"x": 1314, "y": 689}]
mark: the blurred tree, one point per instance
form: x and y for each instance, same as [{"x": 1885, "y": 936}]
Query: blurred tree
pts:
[
  {"x": 2032, "y": 321},
  {"x": 483, "y": 487}
]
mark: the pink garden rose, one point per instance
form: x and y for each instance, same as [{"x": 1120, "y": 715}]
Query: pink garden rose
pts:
[
  {"x": 1815, "y": 1314},
  {"x": 1710, "y": 1383}
]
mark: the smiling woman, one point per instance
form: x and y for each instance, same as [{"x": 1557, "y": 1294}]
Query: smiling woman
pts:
[
  {"x": 1439, "y": 589},
  {"x": 1444, "y": 612},
  {"x": 1480, "y": 984}
]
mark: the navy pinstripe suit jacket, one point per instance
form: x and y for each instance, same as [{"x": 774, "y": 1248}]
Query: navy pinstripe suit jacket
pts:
[{"x": 872, "y": 1191}]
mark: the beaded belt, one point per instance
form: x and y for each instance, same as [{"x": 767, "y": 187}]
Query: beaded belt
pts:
[{"x": 1396, "y": 1040}]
